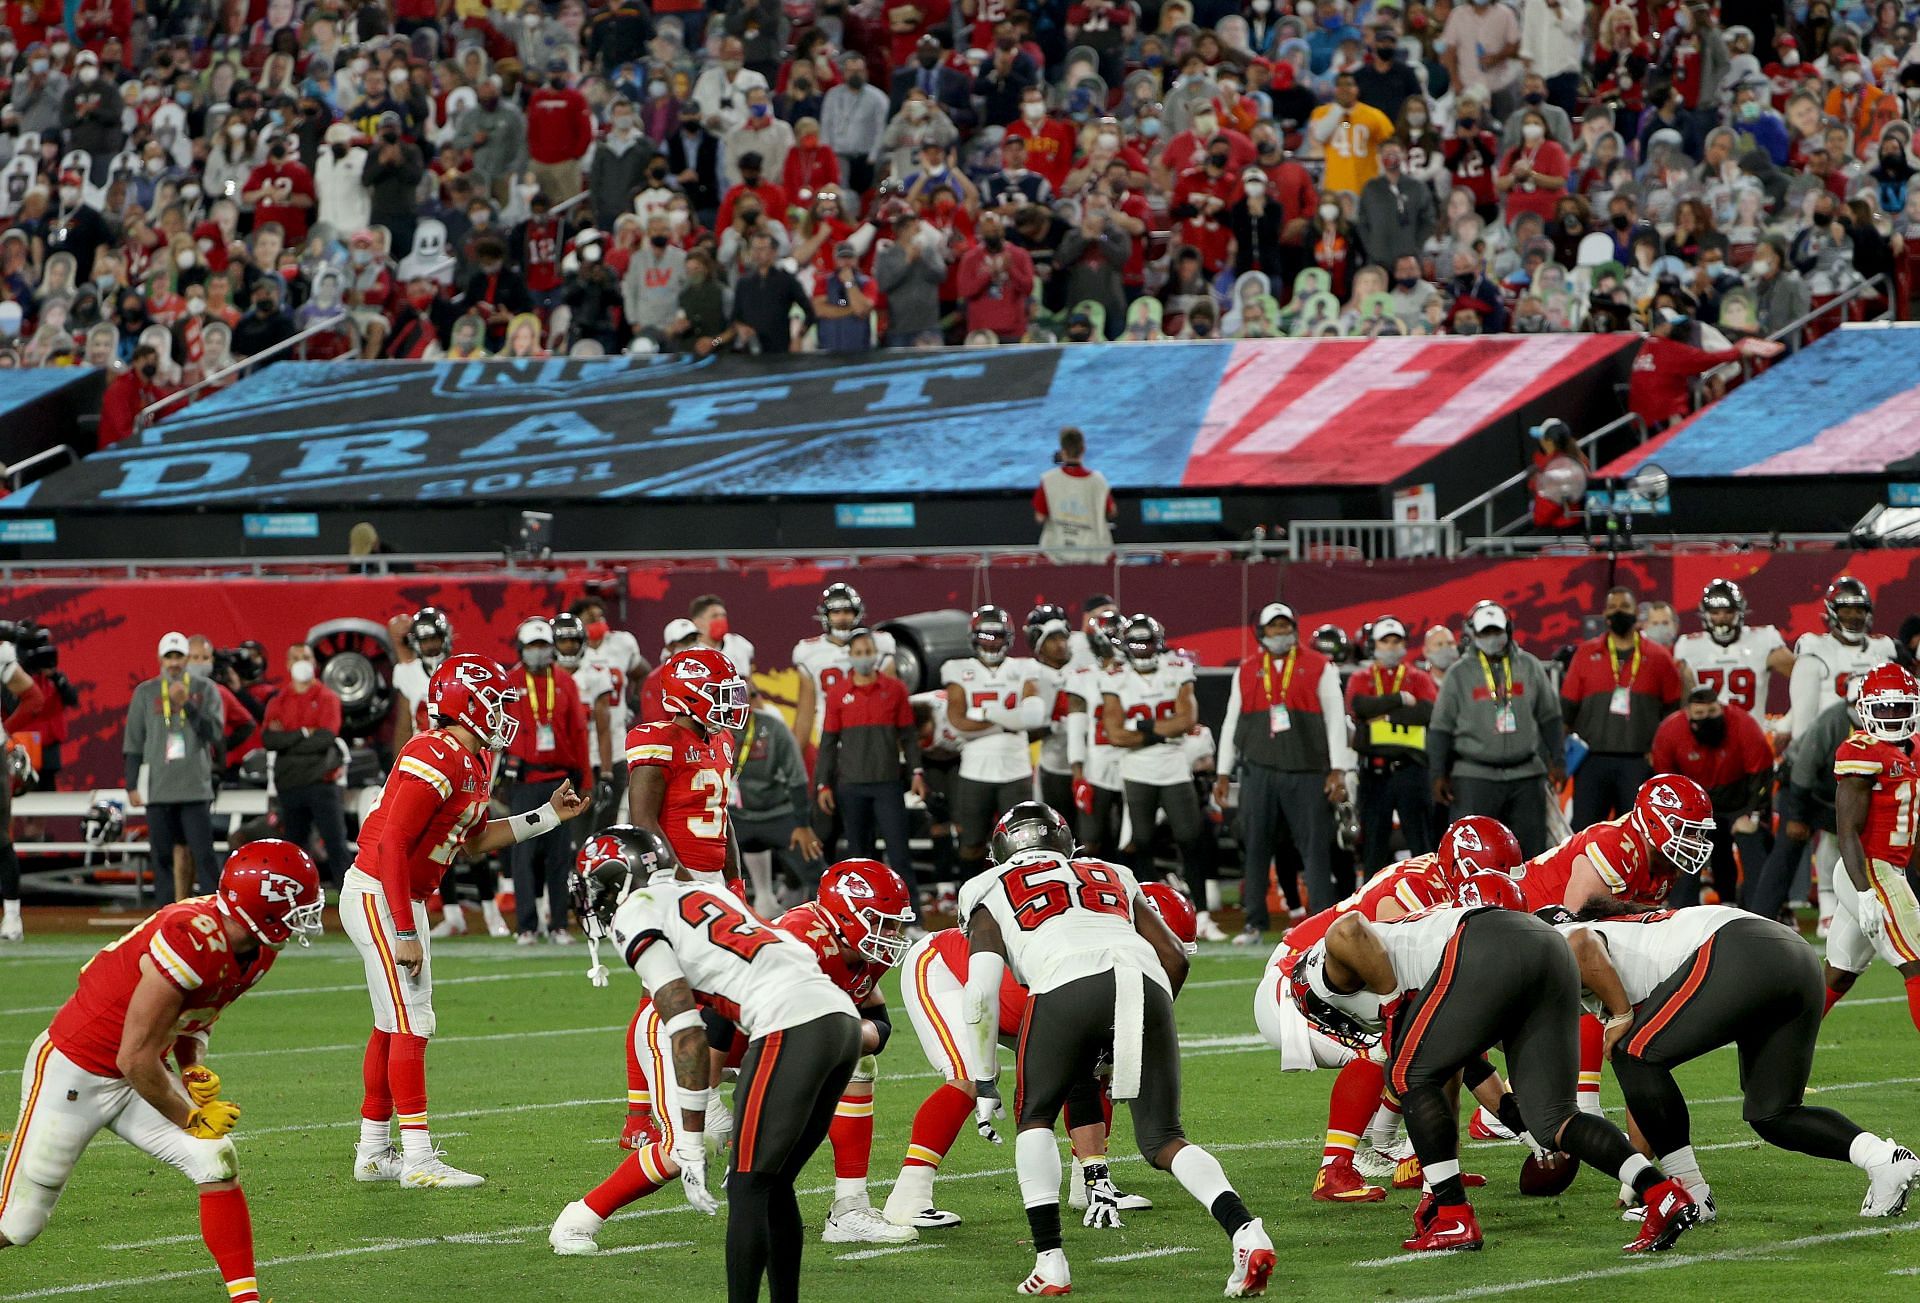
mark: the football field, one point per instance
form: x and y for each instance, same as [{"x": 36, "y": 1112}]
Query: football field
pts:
[{"x": 527, "y": 1086}]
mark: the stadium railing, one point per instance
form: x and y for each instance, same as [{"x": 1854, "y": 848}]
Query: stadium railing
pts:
[{"x": 1487, "y": 504}]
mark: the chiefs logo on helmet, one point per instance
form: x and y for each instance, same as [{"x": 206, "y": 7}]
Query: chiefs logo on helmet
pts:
[{"x": 691, "y": 670}]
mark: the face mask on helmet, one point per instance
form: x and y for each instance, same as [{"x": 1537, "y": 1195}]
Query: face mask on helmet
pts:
[
  {"x": 1889, "y": 713},
  {"x": 1852, "y": 622},
  {"x": 1722, "y": 624},
  {"x": 990, "y": 644},
  {"x": 1662, "y": 812},
  {"x": 1143, "y": 651},
  {"x": 569, "y": 651}
]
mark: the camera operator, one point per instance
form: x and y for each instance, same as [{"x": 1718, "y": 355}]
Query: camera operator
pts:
[
  {"x": 240, "y": 728},
  {"x": 19, "y": 685}
]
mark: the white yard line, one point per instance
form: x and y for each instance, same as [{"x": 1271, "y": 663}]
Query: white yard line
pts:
[
  {"x": 864, "y": 1254},
  {"x": 1167, "y": 1252},
  {"x": 275, "y": 992}
]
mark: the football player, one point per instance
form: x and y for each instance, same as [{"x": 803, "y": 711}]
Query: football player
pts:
[
  {"x": 596, "y": 687},
  {"x": 103, "y": 1062},
  {"x": 1877, "y": 801},
  {"x": 1102, "y": 970},
  {"x": 1454, "y": 982},
  {"x": 823, "y": 660},
  {"x": 679, "y": 785},
  {"x": 1675, "y": 984},
  {"x": 1731, "y": 656},
  {"x": 425, "y": 644},
  {"x": 433, "y": 808},
  {"x": 692, "y": 942},
  {"x": 993, "y": 701},
  {"x": 1098, "y": 796},
  {"x": 1048, "y": 639},
  {"x": 1473, "y": 844},
  {"x": 934, "y": 980},
  {"x": 1622, "y": 863},
  {"x": 1099, "y": 615},
  {"x": 27, "y": 695},
  {"x": 617, "y": 653},
  {"x": 1824, "y": 662}
]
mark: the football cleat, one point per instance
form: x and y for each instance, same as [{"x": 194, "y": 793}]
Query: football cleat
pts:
[
  {"x": 1248, "y": 936},
  {"x": 638, "y": 1131},
  {"x": 452, "y": 924},
  {"x": 927, "y": 1219},
  {"x": 1338, "y": 1182},
  {"x": 1375, "y": 1164},
  {"x": 1709, "y": 1211},
  {"x": 1485, "y": 1126},
  {"x": 853, "y": 1221},
  {"x": 1409, "y": 1175},
  {"x": 434, "y": 1173},
  {"x": 1077, "y": 1194},
  {"x": 1889, "y": 1183},
  {"x": 1253, "y": 1261},
  {"x": 573, "y": 1231},
  {"x": 11, "y": 930},
  {"x": 1049, "y": 1275},
  {"x": 383, "y": 1165},
  {"x": 1441, "y": 1227},
  {"x": 496, "y": 924},
  {"x": 1670, "y": 1211},
  {"x": 1205, "y": 929}
]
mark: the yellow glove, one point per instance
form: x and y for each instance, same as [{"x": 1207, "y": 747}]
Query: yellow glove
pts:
[
  {"x": 203, "y": 1084},
  {"x": 212, "y": 1120}
]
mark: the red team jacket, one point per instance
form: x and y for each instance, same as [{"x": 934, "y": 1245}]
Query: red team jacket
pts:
[{"x": 187, "y": 942}]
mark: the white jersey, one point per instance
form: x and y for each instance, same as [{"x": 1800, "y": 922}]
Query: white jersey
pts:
[
  {"x": 1822, "y": 668},
  {"x": 1415, "y": 942},
  {"x": 1647, "y": 949},
  {"x": 410, "y": 680},
  {"x": 9, "y": 661},
  {"x": 739, "y": 654},
  {"x": 1736, "y": 670},
  {"x": 947, "y": 740},
  {"x": 998, "y": 755},
  {"x": 827, "y": 664},
  {"x": 1080, "y": 651},
  {"x": 1062, "y": 920},
  {"x": 594, "y": 683},
  {"x": 1100, "y": 764},
  {"x": 1052, "y": 686},
  {"x": 747, "y": 970},
  {"x": 1147, "y": 699},
  {"x": 618, "y": 658}
]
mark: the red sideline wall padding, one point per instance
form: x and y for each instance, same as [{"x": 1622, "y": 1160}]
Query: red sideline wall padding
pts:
[{"x": 107, "y": 631}]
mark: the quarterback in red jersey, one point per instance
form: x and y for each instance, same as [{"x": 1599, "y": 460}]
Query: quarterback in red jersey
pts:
[
  {"x": 103, "y": 1063},
  {"x": 680, "y": 785},
  {"x": 1358, "y": 1106},
  {"x": 433, "y": 807},
  {"x": 1876, "y": 805}
]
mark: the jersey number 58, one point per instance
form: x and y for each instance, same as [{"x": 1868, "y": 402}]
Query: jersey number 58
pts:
[{"x": 1099, "y": 889}]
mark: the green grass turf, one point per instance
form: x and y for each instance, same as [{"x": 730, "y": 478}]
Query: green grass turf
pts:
[{"x": 527, "y": 1087}]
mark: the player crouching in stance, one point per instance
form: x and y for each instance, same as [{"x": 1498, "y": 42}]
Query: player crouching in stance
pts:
[
  {"x": 933, "y": 979},
  {"x": 1455, "y": 982},
  {"x": 1675, "y": 984},
  {"x": 689, "y": 942},
  {"x": 1102, "y": 970},
  {"x": 433, "y": 807},
  {"x": 103, "y": 1062}
]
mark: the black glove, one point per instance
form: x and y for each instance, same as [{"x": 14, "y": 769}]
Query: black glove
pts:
[
  {"x": 604, "y": 792},
  {"x": 69, "y": 696},
  {"x": 1148, "y": 738}
]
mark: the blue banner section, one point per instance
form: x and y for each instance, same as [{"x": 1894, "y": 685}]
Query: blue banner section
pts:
[
  {"x": 1848, "y": 404},
  {"x": 30, "y": 384},
  {"x": 616, "y": 428},
  {"x": 28, "y": 530},
  {"x": 1180, "y": 511},
  {"x": 285, "y": 524},
  {"x": 873, "y": 515}
]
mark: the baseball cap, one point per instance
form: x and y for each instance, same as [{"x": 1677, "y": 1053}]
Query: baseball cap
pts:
[
  {"x": 1488, "y": 615},
  {"x": 678, "y": 631},
  {"x": 535, "y": 630},
  {"x": 1275, "y": 611},
  {"x": 173, "y": 642},
  {"x": 1388, "y": 625},
  {"x": 845, "y": 249},
  {"x": 340, "y": 133}
]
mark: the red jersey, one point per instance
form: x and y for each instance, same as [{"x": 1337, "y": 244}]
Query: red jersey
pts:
[
  {"x": 187, "y": 943},
  {"x": 1414, "y": 884},
  {"x": 693, "y": 814},
  {"x": 847, "y": 969},
  {"x": 540, "y": 241},
  {"x": 436, "y": 799},
  {"x": 1617, "y": 851},
  {"x": 1888, "y": 836},
  {"x": 950, "y": 944}
]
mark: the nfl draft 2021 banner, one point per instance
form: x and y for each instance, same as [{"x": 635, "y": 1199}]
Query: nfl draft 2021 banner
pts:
[
  {"x": 107, "y": 631},
  {"x": 1227, "y": 415}
]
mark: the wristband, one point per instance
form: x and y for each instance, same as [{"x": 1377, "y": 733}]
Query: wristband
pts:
[
  {"x": 407, "y": 934},
  {"x": 684, "y": 1022},
  {"x": 1618, "y": 1020},
  {"x": 534, "y": 823}
]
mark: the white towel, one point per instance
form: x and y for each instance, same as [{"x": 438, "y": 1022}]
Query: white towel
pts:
[{"x": 1129, "y": 1029}]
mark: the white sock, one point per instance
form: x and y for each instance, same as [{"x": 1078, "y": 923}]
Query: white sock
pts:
[
  {"x": 913, "y": 1190},
  {"x": 1629, "y": 1172},
  {"x": 1432, "y": 1173},
  {"x": 1213, "y": 895},
  {"x": 1681, "y": 1165},
  {"x": 12, "y": 908},
  {"x": 1201, "y": 1174},
  {"x": 375, "y": 1136},
  {"x": 416, "y": 1144},
  {"x": 1868, "y": 1149},
  {"x": 1036, "y": 1157},
  {"x": 759, "y": 866},
  {"x": 1384, "y": 1130},
  {"x": 850, "y": 1187},
  {"x": 453, "y": 914}
]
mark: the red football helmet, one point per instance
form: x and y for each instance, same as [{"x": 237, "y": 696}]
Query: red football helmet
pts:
[
  {"x": 1675, "y": 815},
  {"x": 273, "y": 888},
  {"x": 869, "y": 907},
  {"x": 1489, "y": 887},
  {"x": 1175, "y": 910},
  {"x": 1889, "y": 707},
  {"x": 470, "y": 690},
  {"x": 1476, "y": 844},
  {"x": 702, "y": 684}
]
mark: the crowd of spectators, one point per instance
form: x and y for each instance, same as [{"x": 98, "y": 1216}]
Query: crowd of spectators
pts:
[{"x": 472, "y": 179}]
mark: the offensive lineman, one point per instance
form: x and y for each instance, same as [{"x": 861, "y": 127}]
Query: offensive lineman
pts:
[
  {"x": 103, "y": 1062},
  {"x": 1102, "y": 969},
  {"x": 1731, "y": 656},
  {"x": 691, "y": 942},
  {"x": 433, "y": 807}
]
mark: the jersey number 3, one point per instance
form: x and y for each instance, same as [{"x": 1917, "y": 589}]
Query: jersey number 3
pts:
[
  {"x": 1099, "y": 889},
  {"x": 726, "y": 926}
]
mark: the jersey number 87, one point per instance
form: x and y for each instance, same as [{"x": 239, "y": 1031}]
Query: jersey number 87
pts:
[{"x": 1099, "y": 889}]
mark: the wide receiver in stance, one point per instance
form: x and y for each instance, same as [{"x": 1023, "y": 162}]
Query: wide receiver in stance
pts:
[
  {"x": 693, "y": 943},
  {"x": 103, "y": 1063},
  {"x": 433, "y": 807},
  {"x": 1102, "y": 969}
]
